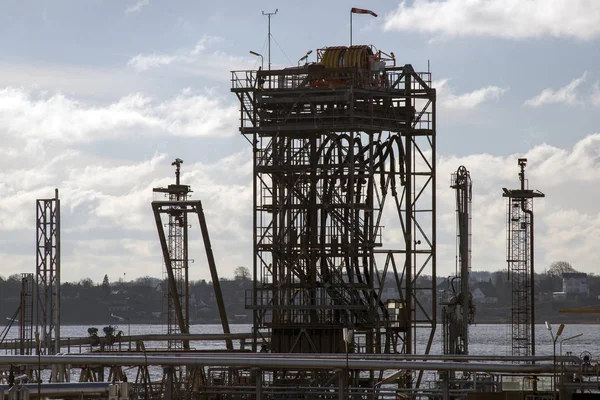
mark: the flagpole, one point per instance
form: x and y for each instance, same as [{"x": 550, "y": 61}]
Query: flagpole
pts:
[{"x": 350, "y": 27}]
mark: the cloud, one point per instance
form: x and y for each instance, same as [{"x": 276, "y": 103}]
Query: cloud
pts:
[
  {"x": 144, "y": 62},
  {"x": 566, "y": 94},
  {"x": 567, "y": 219},
  {"x": 466, "y": 101},
  {"x": 137, "y": 6},
  {"x": 202, "y": 59},
  {"x": 107, "y": 220},
  {"x": 37, "y": 115},
  {"x": 510, "y": 19},
  {"x": 595, "y": 96}
]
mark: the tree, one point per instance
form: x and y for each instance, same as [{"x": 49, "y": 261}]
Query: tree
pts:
[
  {"x": 106, "y": 284},
  {"x": 557, "y": 268},
  {"x": 86, "y": 283},
  {"x": 241, "y": 273}
]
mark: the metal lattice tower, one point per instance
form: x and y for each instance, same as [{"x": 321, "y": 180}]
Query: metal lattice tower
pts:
[
  {"x": 457, "y": 311},
  {"x": 332, "y": 144},
  {"x": 520, "y": 252},
  {"x": 48, "y": 274}
]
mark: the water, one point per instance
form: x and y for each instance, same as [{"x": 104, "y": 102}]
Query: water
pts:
[{"x": 485, "y": 339}]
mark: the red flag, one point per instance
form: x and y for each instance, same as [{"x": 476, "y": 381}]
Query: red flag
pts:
[{"x": 362, "y": 11}]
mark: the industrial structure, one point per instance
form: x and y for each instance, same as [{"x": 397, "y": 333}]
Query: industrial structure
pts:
[
  {"x": 174, "y": 245},
  {"x": 344, "y": 209},
  {"x": 457, "y": 302},
  {"x": 520, "y": 259},
  {"x": 333, "y": 143}
]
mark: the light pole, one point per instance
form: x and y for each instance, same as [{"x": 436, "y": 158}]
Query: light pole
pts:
[
  {"x": 128, "y": 326},
  {"x": 262, "y": 61},
  {"x": 561, "y": 342},
  {"x": 304, "y": 57},
  {"x": 348, "y": 335},
  {"x": 554, "y": 339}
]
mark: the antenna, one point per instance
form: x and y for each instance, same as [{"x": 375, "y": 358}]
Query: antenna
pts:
[{"x": 269, "y": 14}]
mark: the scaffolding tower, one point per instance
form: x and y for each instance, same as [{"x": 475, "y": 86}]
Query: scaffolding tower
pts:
[
  {"x": 457, "y": 301},
  {"x": 48, "y": 274},
  {"x": 333, "y": 142},
  {"x": 520, "y": 259}
]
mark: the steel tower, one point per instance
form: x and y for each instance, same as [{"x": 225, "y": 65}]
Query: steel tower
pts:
[
  {"x": 520, "y": 251},
  {"x": 333, "y": 143}
]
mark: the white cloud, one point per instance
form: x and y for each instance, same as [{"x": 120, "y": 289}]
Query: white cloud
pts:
[
  {"x": 31, "y": 115},
  {"x": 566, "y": 94},
  {"x": 143, "y": 62},
  {"x": 198, "y": 60},
  {"x": 466, "y": 101},
  {"x": 567, "y": 219},
  {"x": 107, "y": 218},
  {"x": 512, "y": 19},
  {"x": 137, "y": 6},
  {"x": 595, "y": 96}
]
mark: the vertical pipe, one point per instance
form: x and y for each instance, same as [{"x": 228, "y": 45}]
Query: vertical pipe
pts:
[
  {"x": 409, "y": 223},
  {"x": 255, "y": 275},
  {"x": 186, "y": 315},
  {"x": 56, "y": 282},
  {"x": 351, "y": 28},
  {"x": 269, "y": 36}
]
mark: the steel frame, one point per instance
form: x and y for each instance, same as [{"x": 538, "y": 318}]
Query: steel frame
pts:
[
  {"x": 175, "y": 256},
  {"x": 326, "y": 160}
]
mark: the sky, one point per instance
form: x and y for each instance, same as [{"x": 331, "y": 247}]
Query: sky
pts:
[{"x": 97, "y": 98}]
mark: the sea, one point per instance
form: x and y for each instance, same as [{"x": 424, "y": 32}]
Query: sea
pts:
[{"x": 484, "y": 339}]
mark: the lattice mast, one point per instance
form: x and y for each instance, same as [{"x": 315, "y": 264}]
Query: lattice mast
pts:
[
  {"x": 48, "y": 274},
  {"x": 458, "y": 310},
  {"x": 332, "y": 141},
  {"x": 520, "y": 259}
]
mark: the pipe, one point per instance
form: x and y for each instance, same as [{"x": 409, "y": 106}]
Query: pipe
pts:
[
  {"x": 150, "y": 338},
  {"x": 255, "y": 360},
  {"x": 386, "y": 357},
  {"x": 63, "y": 389}
]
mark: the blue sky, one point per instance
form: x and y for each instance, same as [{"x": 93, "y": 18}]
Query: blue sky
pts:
[{"x": 98, "y": 97}]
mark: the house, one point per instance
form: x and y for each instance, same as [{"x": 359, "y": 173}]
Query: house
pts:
[
  {"x": 575, "y": 283},
  {"x": 485, "y": 293}
]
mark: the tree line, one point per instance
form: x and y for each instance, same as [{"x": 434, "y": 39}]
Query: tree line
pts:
[{"x": 144, "y": 299}]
